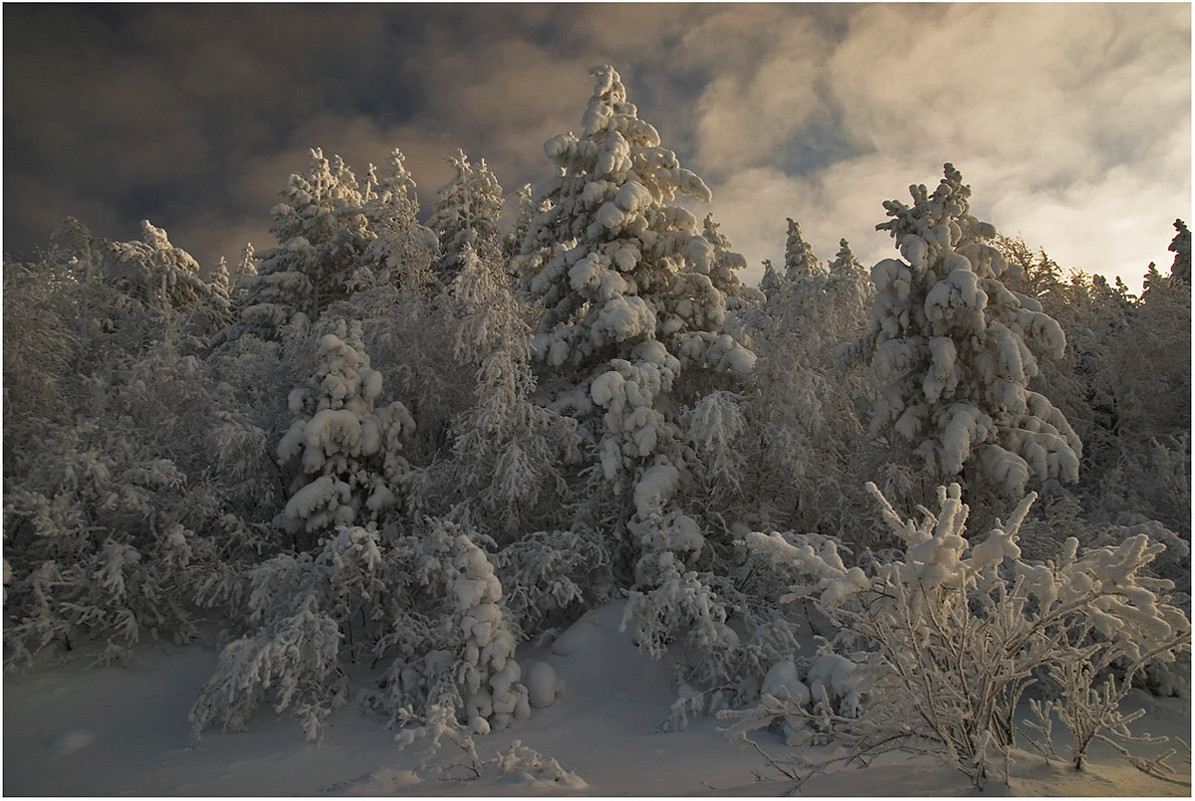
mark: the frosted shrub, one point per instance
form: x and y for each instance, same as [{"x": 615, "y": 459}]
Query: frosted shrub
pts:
[
  {"x": 111, "y": 505},
  {"x": 549, "y": 576},
  {"x": 431, "y": 603},
  {"x": 951, "y": 635},
  {"x": 806, "y": 427},
  {"x": 296, "y": 657},
  {"x": 304, "y": 609}
]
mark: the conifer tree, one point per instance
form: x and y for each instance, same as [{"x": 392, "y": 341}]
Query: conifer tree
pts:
[
  {"x": 349, "y": 452},
  {"x": 528, "y": 208},
  {"x": 466, "y": 214},
  {"x": 772, "y": 281},
  {"x": 622, "y": 275},
  {"x": 631, "y": 315},
  {"x": 246, "y": 267},
  {"x": 1180, "y": 246},
  {"x": 799, "y": 260},
  {"x": 953, "y": 350},
  {"x": 154, "y": 271},
  {"x": 403, "y": 252},
  {"x": 321, "y": 235}
]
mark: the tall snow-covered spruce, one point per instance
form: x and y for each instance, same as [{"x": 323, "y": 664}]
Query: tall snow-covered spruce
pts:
[
  {"x": 631, "y": 334},
  {"x": 953, "y": 351}
]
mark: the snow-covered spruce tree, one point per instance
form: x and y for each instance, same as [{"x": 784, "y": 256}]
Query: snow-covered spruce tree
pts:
[
  {"x": 799, "y": 261},
  {"x": 245, "y": 267},
  {"x": 724, "y": 269},
  {"x": 349, "y": 454},
  {"x": 401, "y": 256},
  {"x": 1180, "y": 246},
  {"x": 952, "y": 352},
  {"x": 322, "y": 235},
  {"x": 154, "y": 271},
  {"x": 219, "y": 304},
  {"x": 527, "y": 209},
  {"x": 467, "y": 211},
  {"x": 772, "y": 280},
  {"x": 631, "y": 333},
  {"x": 942, "y": 641}
]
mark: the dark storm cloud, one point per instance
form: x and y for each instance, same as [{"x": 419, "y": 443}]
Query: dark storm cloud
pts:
[{"x": 160, "y": 111}]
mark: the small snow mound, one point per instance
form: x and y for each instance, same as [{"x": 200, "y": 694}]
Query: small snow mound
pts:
[
  {"x": 543, "y": 685},
  {"x": 381, "y": 782},
  {"x": 783, "y": 680}
]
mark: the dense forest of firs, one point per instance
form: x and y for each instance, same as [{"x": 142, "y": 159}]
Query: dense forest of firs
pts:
[{"x": 373, "y": 459}]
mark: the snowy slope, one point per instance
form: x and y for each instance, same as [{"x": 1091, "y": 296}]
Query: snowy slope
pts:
[{"x": 69, "y": 730}]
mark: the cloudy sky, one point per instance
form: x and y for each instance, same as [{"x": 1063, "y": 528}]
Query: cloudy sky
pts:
[{"x": 1071, "y": 122}]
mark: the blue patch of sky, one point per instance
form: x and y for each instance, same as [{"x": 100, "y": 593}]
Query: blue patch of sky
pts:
[{"x": 819, "y": 144}]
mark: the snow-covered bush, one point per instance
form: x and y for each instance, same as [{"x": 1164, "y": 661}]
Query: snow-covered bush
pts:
[
  {"x": 952, "y": 351},
  {"x": 549, "y": 577},
  {"x": 430, "y": 602},
  {"x": 303, "y": 608},
  {"x": 948, "y": 637},
  {"x": 114, "y": 510},
  {"x": 457, "y": 654}
]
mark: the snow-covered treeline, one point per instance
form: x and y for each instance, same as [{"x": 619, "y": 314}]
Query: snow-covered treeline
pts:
[{"x": 381, "y": 454}]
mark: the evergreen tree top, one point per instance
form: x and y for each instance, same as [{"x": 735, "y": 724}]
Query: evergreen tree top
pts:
[
  {"x": 1180, "y": 246},
  {"x": 799, "y": 259}
]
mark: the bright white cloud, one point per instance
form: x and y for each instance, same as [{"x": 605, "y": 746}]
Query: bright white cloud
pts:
[{"x": 1072, "y": 123}]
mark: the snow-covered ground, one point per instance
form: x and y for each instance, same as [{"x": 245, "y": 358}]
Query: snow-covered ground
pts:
[{"x": 71, "y": 730}]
